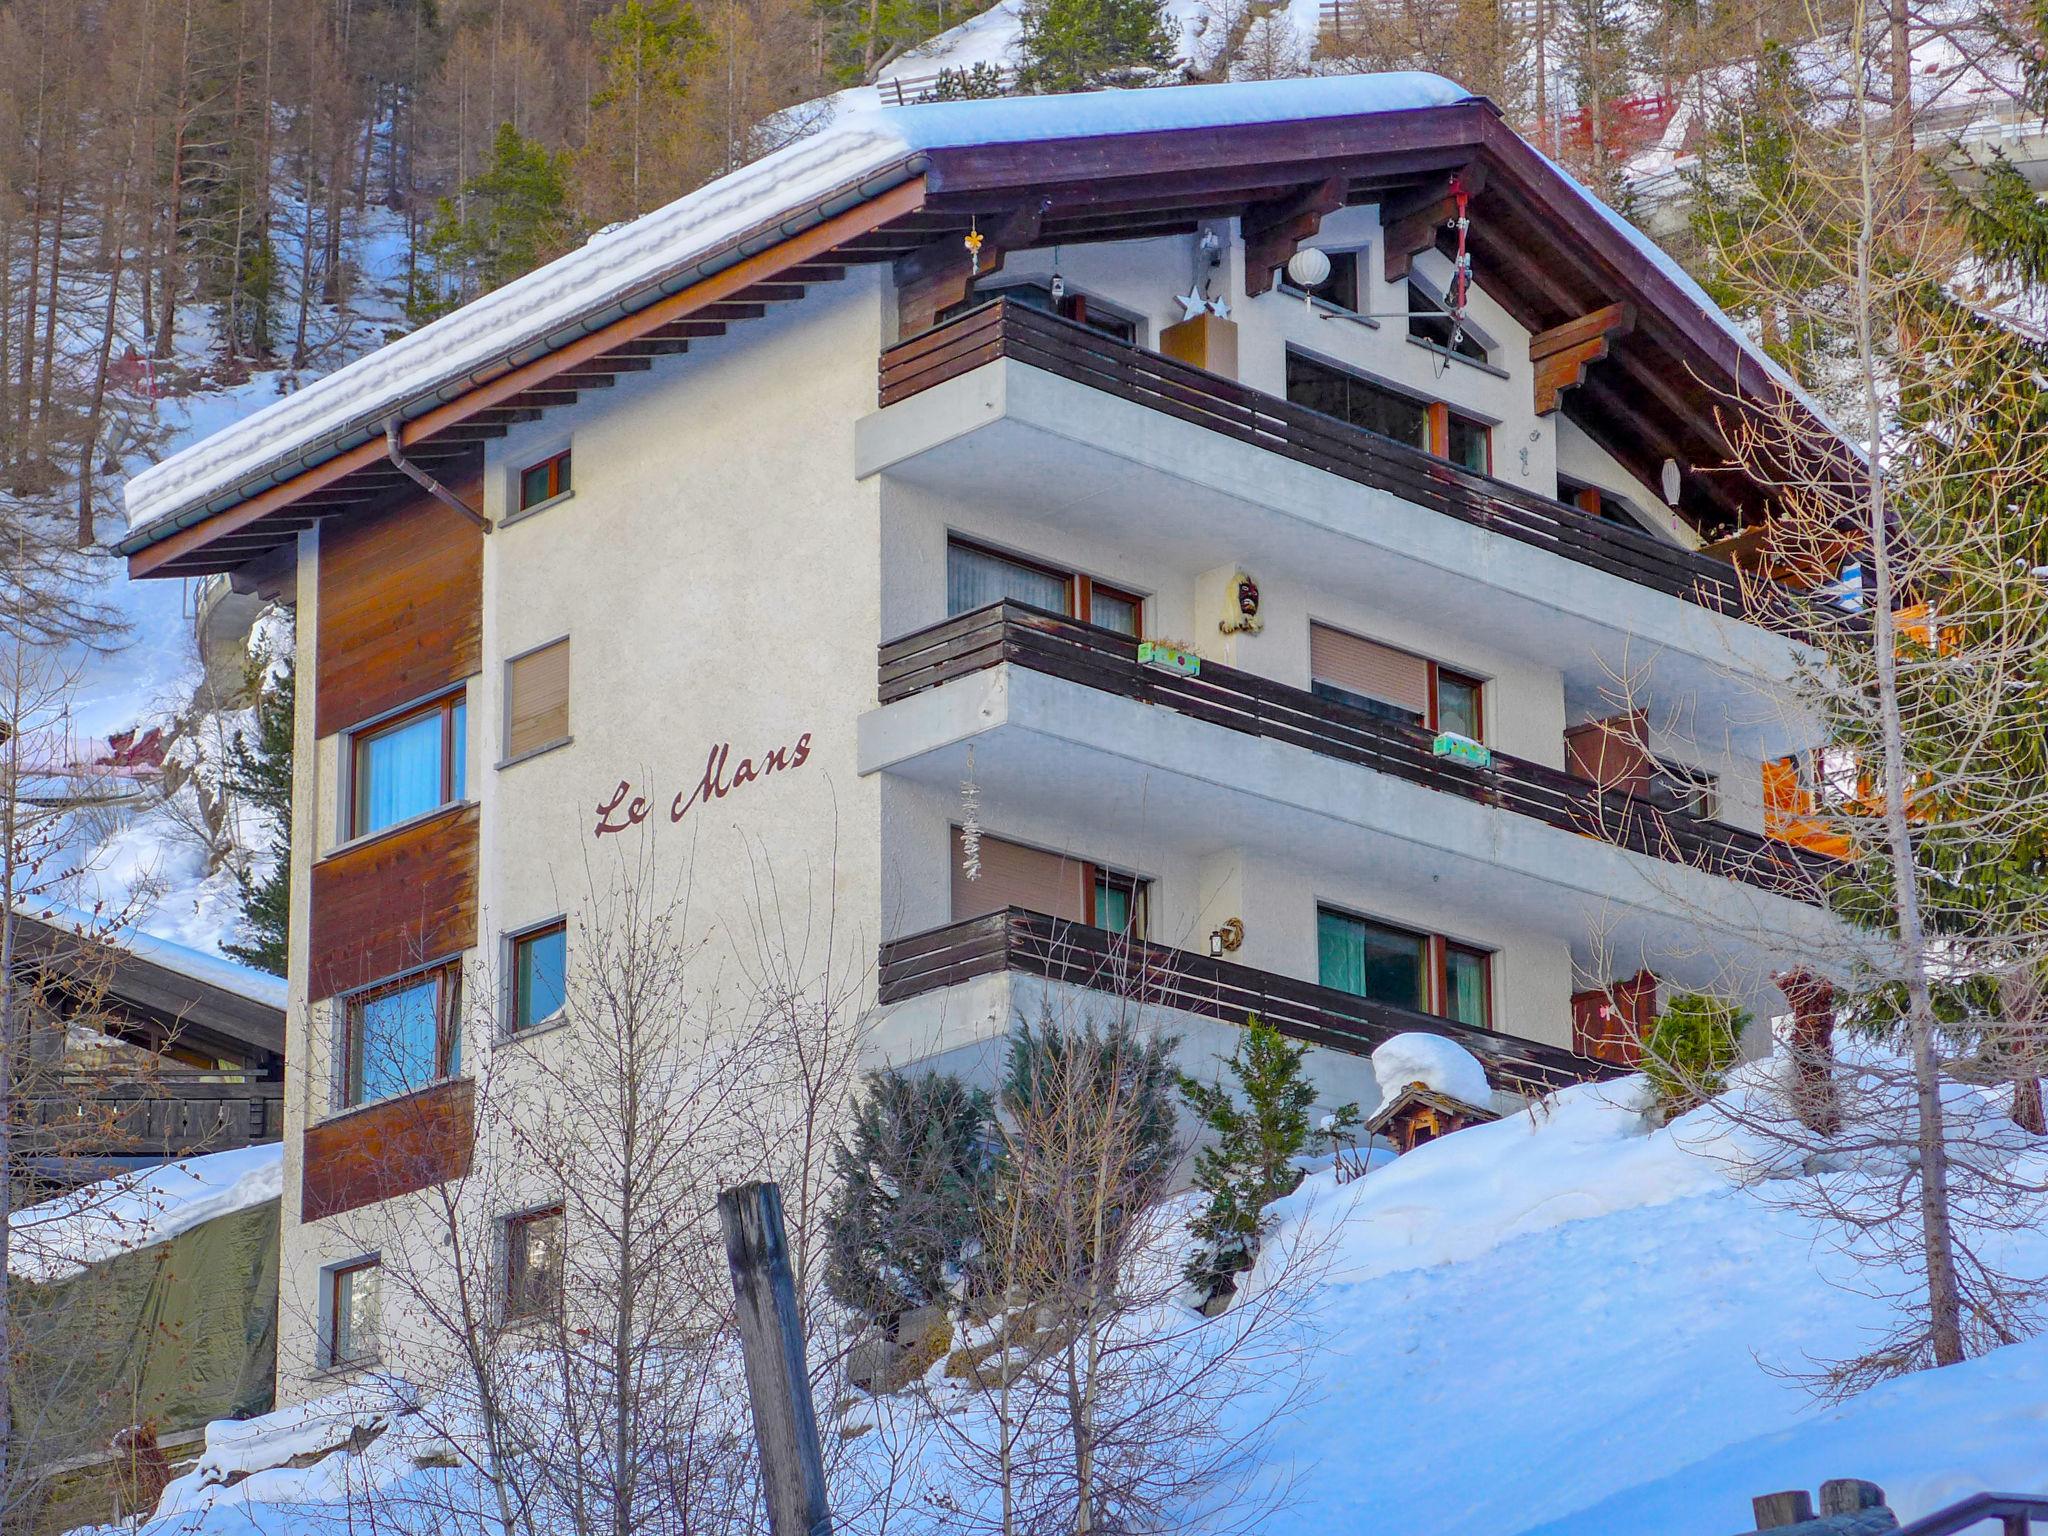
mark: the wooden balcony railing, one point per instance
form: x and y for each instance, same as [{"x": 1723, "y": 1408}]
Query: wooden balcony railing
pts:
[
  {"x": 1242, "y": 701},
  {"x": 175, "y": 1117},
  {"x": 1003, "y": 329},
  {"x": 1154, "y": 976}
]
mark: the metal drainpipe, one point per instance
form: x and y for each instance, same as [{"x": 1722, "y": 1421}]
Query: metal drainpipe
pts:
[{"x": 394, "y": 449}]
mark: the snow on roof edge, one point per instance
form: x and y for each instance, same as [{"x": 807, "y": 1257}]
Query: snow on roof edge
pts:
[
  {"x": 69, "y": 1233},
  {"x": 620, "y": 264},
  {"x": 195, "y": 965}
]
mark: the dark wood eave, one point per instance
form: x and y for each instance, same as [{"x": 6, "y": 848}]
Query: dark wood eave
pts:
[{"x": 1660, "y": 390}]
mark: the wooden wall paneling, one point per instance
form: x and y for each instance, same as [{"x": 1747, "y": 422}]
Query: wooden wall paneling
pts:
[
  {"x": 386, "y": 1150},
  {"x": 394, "y": 902},
  {"x": 400, "y": 605}
]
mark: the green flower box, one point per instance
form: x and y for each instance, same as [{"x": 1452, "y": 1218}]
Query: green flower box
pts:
[
  {"x": 1462, "y": 749},
  {"x": 1169, "y": 658}
]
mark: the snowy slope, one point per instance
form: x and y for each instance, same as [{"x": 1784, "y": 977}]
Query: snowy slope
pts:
[{"x": 1561, "y": 1323}]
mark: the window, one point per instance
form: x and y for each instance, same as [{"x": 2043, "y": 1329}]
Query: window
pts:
[
  {"x": 1423, "y": 973},
  {"x": 1357, "y": 401},
  {"x": 540, "y": 974},
  {"x": 1430, "y": 320},
  {"x": 1468, "y": 443},
  {"x": 1339, "y": 290},
  {"x": 408, "y": 766},
  {"x": 1680, "y": 787},
  {"x": 1373, "y": 960},
  {"x": 1074, "y": 890},
  {"x": 976, "y": 577},
  {"x": 1604, "y": 505},
  {"x": 1393, "y": 684},
  {"x": 537, "y": 700},
  {"x": 353, "y": 1308},
  {"x": 401, "y": 1036},
  {"x": 1078, "y": 307},
  {"x": 1458, "y": 704},
  {"x": 544, "y": 481},
  {"x": 533, "y": 1263}
]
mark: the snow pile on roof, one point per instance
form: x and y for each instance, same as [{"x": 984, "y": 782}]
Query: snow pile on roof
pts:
[
  {"x": 64, "y": 1236},
  {"x": 196, "y": 965},
  {"x": 1440, "y": 1065},
  {"x": 860, "y": 154}
]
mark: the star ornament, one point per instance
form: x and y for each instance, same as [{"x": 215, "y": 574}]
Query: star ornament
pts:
[
  {"x": 1193, "y": 304},
  {"x": 1220, "y": 308}
]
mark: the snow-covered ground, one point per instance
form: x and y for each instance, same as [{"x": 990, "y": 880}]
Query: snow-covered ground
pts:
[{"x": 1564, "y": 1322}]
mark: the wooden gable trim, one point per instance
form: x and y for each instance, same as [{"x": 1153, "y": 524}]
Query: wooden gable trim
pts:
[
  {"x": 1410, "y": 224},
  {"x": 942, "y": 273},
  {"x": 1274, "y": 231},
  {"x": 1563, "y": 353},
  {"x": 733, "y": 282}
]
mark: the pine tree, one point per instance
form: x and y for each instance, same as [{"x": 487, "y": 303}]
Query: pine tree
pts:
[
  {"x": 1260, "y": 1125},
  {"x": 1085, "y": 45},
  {"x": 1120, "y": 1068},
  {"x": 517, "y": 217},
  {"x": 261, "y": 773},
  {"x": 911, "y": 1178}
]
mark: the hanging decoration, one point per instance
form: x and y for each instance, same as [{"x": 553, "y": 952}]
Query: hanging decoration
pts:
[
  {"x": 970, "y": 821},
  {"x": 972, "y": 241}
]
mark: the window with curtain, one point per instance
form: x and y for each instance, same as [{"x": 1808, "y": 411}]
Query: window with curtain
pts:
[
  {"x": 540, "y": 974},
  {"x": 408, "y": 766},
  {"x": 976, "y": 577},
  {"x": 401, "y": 1037},
  {"x": 1466, "y": 997},
  {"x": 1468, "y": 443},
  {"x": 1457, "y": 705},
  {"x": 1372, "y": 960}
]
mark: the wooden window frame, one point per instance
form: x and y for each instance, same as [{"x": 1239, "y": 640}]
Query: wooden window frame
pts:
[
  {"x": 331, "y": 1357},
  {"x": 514, "y": 1299},
  {"x": 359, "y": 736},
  {"x": 513, "y": 941},
  {"x": 1081, "y": 588},
  {"x": 447, "y": 977},
  {"x": 1441, "y": 413},
  {"x": 1140, "y": 896},
  {"x": 1437, "y": 672},
  {"x": 555, "y": 464},
  {"x": 1436, "y": 947}
]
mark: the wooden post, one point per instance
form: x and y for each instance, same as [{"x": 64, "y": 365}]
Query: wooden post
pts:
[
  {"x": 1775, "y": 1510},
  {"x": 772, "y": 1341}
]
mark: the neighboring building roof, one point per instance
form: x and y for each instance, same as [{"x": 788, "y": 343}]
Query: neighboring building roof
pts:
[
  {"x": 196, "y": 993},
  {"x": 862, "y": 157}
]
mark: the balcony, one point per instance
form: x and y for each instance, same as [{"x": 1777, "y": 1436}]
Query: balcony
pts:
[
  {"x": 1060, "y": 647},
  {"x": 77, "y": 1128},
  {"x": 1154, "y": 977}
]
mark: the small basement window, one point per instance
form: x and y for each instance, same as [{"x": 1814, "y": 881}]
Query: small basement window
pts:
[
  {"x": 534, "y": 1263},
  {"x": 353, "y": 1305},
  {"x": 409, "y": 765},
  {"x": 544, "y": 481}
]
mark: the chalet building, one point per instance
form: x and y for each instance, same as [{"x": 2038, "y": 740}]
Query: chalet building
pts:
[{"x": 1090, "y": 543}]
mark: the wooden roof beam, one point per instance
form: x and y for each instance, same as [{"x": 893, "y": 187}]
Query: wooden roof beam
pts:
[
  {"x": 1274, "y": 231},
  {"x": 1563, "y": 353},
  {"x": 1410, "y": 223},
  {"x": 942, "y": 273}
]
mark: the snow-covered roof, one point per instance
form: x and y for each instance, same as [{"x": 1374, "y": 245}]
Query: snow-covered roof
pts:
[
  {"x": 194, "y": 965},
  {"x": 64, "y": 1235},
  {"x": 861, "y": 154}
]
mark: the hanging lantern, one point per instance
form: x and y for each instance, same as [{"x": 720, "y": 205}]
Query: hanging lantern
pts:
[{"x": 1308, "y": 268}]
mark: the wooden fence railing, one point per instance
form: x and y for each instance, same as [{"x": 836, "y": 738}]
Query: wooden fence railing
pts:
[
  {"x": 87, "y": 1117},
  {"x": 1154, "y": 976},
  {"x": 1003, "y": 329},
  {"x": 1242, "y": 701}
]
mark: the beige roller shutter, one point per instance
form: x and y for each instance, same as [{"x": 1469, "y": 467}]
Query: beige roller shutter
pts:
[
  {"x": 537, "y": 699},
  {"x": 1369, "y": 668},
  {"x": 1015, "y": 876}
]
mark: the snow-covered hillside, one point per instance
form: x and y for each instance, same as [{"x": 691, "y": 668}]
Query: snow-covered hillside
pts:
[{"x": 1564, "y": 1323}]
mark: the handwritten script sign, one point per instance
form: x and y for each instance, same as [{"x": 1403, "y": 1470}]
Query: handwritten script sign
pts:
[{"x": 625, "y": 809}]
